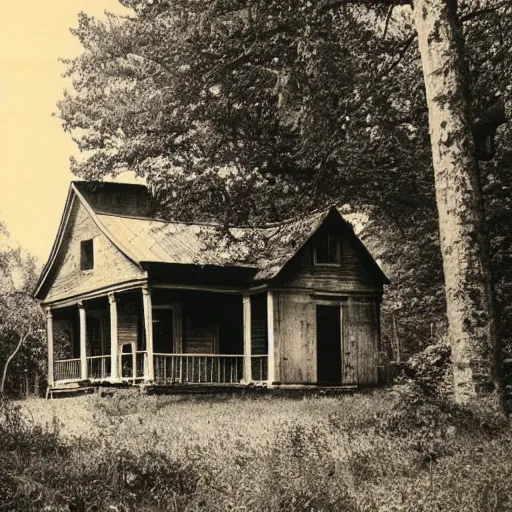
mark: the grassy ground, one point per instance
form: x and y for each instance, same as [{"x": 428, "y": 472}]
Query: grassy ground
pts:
[{"x": 387, "y": 450}]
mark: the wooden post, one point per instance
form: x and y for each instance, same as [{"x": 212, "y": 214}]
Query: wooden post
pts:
[
  {"x": 114, "y": 345},
  {"x": 271, "y": 366},
  {"x": 149, "y": 373},
  {"x": 83, "y": 341},
  {"x": 49, "y": 341},
  {"x": 247, "y": 338}
]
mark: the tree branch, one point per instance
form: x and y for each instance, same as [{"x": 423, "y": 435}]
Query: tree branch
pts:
[
  {"x": 334, "y": 4},
  {"x": 486, "y": 10},
  {"x": 23, "y": 337},
  {"x": 388, "y": 19}
]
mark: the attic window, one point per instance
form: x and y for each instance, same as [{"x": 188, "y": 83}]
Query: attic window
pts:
[
  {"x": 327, "y": 250},
  {"x": 86, "y": 255}
]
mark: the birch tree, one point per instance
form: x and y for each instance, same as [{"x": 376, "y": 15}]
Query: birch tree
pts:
[{"x": 464, "y": 243}]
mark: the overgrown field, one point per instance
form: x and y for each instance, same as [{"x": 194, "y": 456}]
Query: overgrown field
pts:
[{"x": 385, "y": 450}]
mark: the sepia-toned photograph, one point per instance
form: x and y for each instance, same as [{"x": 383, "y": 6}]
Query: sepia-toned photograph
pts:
[{"x": 256, "y": 256}]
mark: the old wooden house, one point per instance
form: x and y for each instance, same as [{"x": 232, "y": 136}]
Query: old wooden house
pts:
[{"x": 131, "y": 298}]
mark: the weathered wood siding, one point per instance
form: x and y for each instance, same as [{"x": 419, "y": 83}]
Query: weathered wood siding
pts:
[
  {"x": 116, "y": 198},
  {"x": 295, "y": 320},
  {"x": 127, "y": 330},
  {"x": 200, "y": 328},
  {"x": 360, "y": 341},
  {"x": 353, "y": 286},
  {"x": 349, "y": 276},
  {"x": 110, "y": 265},
  {"x": 296, "y": 344},
  {"x": 349, "y": 354},
  {"x": 259, "y": 337}
]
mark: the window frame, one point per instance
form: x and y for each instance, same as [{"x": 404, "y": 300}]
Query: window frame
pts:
[
  {"x": 339, "y": 252},
  {"x": 86, "y": 256}
]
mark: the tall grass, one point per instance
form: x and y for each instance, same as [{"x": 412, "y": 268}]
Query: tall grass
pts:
[{"x": 364, "y": 452}]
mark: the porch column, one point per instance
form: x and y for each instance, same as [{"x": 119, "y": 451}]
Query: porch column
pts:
[
  {"x": 247, "y": 338},
  {"x": 49, "y": 338},
  {"x": 114, "y": 345},
  {"x": 271, "y": 366},
  {"x": 83, "y": 341},
  {"x": 148, "y": 323}
]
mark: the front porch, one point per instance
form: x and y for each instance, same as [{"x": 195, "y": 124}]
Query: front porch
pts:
[{"x": 162, "y": 337}]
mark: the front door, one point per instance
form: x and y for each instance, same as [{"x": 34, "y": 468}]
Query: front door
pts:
[{"x": 328, "y": 339}]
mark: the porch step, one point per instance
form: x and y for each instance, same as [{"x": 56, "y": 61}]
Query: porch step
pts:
[{"x": 70, "y": 388}]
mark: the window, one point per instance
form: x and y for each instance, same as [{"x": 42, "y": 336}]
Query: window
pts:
[
  {"x": 327, "y": 250},
  {"x": 86, "y": 255}
]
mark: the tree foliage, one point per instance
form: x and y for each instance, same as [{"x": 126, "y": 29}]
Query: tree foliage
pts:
[
  {"x": 22, "y": 338},
  {"x": 254, "y": 111}
]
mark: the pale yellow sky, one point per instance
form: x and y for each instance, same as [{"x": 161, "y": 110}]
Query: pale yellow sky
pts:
[{"x": 34, "y": 161}]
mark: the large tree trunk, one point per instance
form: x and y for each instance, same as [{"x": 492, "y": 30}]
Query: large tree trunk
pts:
[{"x": 464, "y": 244}]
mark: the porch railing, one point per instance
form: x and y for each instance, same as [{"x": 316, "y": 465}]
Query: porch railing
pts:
[
  {"x": 134, "y": 366},
  {"x": 198, "y": 368},
  {"x": 259, "y": 368},
  {"x": 68, "y": 369},
  {"x": 141, "y": 358},
  {"x": 168, "y": 368},
  {"x": 99, "y": 367}
]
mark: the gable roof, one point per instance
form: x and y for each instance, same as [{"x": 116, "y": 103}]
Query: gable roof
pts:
[{"x": 144, "y": 239}]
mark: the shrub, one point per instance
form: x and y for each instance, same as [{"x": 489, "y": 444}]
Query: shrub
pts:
[
  {"x": 431, "y": 370},
  {"x": 432, "y": 424}
]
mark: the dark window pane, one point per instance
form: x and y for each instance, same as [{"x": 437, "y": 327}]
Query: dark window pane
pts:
[
  {"x": 322, "y": 250},
  {"x": 86, "y": 255},
  {"x": 334, "y": 250},
  {"x": 328, "y": 250}
]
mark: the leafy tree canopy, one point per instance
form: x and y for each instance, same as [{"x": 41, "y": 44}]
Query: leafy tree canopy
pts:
[
  {"x": 254, "y": 111},
  {"x": 22, "y": 337}
]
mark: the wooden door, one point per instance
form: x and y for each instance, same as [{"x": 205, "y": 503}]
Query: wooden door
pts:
[
  {"x": 361, "y": 342},
  {"x": 163, "y": 331},
  {"x": 328, "y": 338}
]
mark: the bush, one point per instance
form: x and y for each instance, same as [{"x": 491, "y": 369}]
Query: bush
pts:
[
  {"x": 433, "y": 425},
  {"x": 431, "y": 370}
]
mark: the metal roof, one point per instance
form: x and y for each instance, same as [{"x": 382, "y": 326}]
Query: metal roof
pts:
[{"x": 267, "y": 249}]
